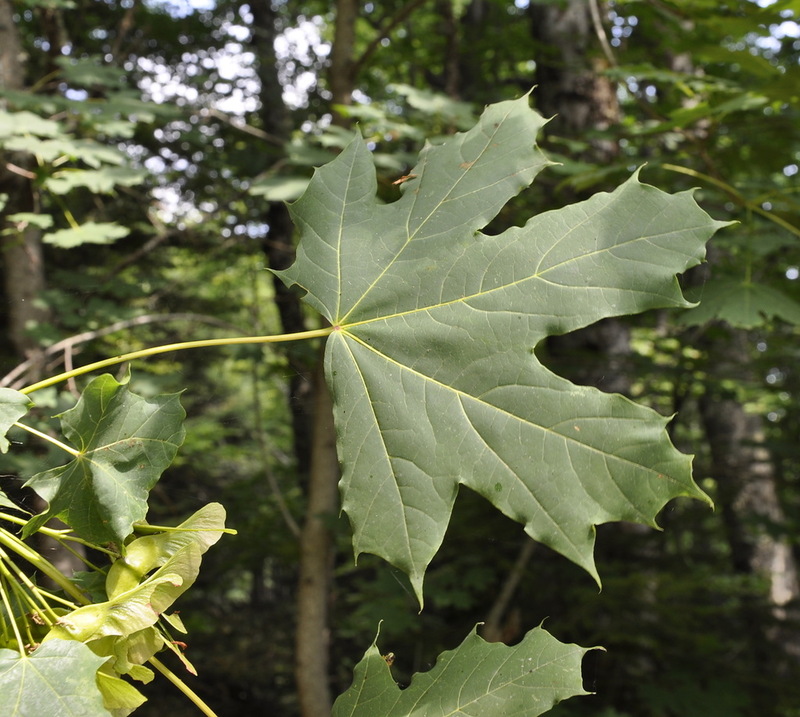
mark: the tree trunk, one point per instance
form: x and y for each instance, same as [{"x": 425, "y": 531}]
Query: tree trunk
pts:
[
  {"x": 23, "y": 264},
  {"x": 570, "y": 87},
  {"x": 341, "y": 73},
  {"x": 316, "y": 562},
  {"x": 580, "y": 100},
  {"x": 23, "y": 261},
  {"x": 312, "y": 415},
  {"x": 278, "y": 245},
  {"x": 747, "y": 494}
]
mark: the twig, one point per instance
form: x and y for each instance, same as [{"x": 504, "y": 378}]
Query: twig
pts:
[
  {"x": 384, "y": 32},
  {"x": 599, "y": 30},
  {"x": 492, "y": 631},
  {"x": 243, "y": 127}
]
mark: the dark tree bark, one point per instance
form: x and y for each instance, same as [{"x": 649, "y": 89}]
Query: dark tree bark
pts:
[
  {"x": 278, "y": 245},
  {"x": 23, "y": 263},
  {"x": 342, "y": 70},
  {"x": 580, "y": 100},
  {"x": 570, "y": 87},
  {"x": 747, "y": 495},
  {"x": 452, "y": 49},
  {"x": 23, "y": 256},
  {"x": 312, "y": 416}
]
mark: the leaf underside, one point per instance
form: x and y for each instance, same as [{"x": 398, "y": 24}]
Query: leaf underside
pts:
[
  {"x": 477, "y": 679},
  {"x": 431, "y": 363}
]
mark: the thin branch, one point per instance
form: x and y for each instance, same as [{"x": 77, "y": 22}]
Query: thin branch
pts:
[
  {"x": 736, "y": 196},
  {"x": 20, "y": 171},
  {"x": 143, "y": 250},
  {"x": 492, "y": 631},
  {"x": 182, "y": 686},
  {"x": 126, "y": 24},
  {"x": 597, "y": 23},
  {"x": 384, "y": 33},
  {"x": 243, "y": 127},
  {"x": 63, "y": 446}
]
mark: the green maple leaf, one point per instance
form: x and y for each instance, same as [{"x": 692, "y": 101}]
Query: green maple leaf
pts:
[
  {"x": 58, "y": 678},
  {"x": 478, "y": 679},
  {"x": 743, "y": 304},
  {"x": 13, "y": 406},
  {"x": 430, "y": 361},
  {"x": 124, "y": 443}
]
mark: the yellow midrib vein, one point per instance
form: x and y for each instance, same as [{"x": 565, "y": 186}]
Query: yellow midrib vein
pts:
[
  {"x": 465, "y": 395},
  {"x": 425, "y": 220}
]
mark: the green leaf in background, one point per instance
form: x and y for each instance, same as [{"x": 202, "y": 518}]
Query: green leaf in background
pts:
[
  {"x": 477, "y": 679},
  {"x": 26, "y": 123},
  {"x": 57, "y": 680},
  {"x": 125, "y": 442},
  {"x": 13, "y": 406},
  {"x": 279, "y": 189},
  {"x": 85, "y": 150},
  {"x": 431, "y": 361},
  {"x": 742, "y": 304},
  {"x": 88, "y": 233},
  {"x": 43, "y": 221},
  {"x": 99, "y": 181},
  {"x": 90, "y": 72}
]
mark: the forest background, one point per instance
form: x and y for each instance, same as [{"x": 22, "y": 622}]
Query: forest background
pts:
[{"x": 147, "y": 151}]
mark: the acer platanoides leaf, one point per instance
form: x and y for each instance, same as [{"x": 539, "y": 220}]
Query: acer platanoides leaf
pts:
[
  {"x": 477, "y": 679},
  {"x": 125, "y": 442},
  {"x": 431, "y": 358},
  {"x": 59, "y": 677},
  {"x": 13, "y": 406}
]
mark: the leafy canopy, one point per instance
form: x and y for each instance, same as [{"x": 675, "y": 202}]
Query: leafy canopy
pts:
[{"x": 431, "y": 359}]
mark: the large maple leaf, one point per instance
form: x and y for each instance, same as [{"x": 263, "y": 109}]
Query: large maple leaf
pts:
[
  {"x": 431, "y": 357},
  {"x": 477, "y": 679}
]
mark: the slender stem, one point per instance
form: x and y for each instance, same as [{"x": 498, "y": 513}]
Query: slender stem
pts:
[
  {"x": 63, "y": 536},
  {"x": 35, "y": 598},
  {"x": 149, "y": 529},
  {"x": 10, "y": 613},
  {"x": 44, "y": 436},
  {"x": 167, "y": 348},
  {"x": 31, "y": 556},
  {"x": 182, "y": 686}
]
